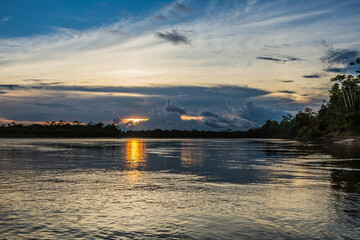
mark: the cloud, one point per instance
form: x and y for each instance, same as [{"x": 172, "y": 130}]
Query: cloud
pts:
[
  {"x": 170, "y": 107},
  {"x": 340, "y": 56},
  {"x": 338, "y": 60},
  {"x": 209, "y": 114},
  {"x": 135, "y": 58},
  {"x": 182, "y": 7},
  {"x": 258, "y": 114},
  {"x": 287, "y": 91},
  {"x": 57, "y": 106},
  {"x": 312, "y": 76},
  {"x": 160, "y": 17},
  {"x": 10, "y": 86},
  {"x": 287, "y": 81},
  {"x": 5, "y": 19},
  {"x": 280, "y": 59},
  {"x": 335, "y": 69},
  {"x": 174, "y": 37},
  {"x": 212, "y": 124},
  {"x": 324, "y": 43},
  {"x": 111, "y": 104}
]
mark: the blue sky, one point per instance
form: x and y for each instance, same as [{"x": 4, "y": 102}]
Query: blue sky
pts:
[
  {"x": 225, "y": 64},
  {"x": 37, "y": 17}
]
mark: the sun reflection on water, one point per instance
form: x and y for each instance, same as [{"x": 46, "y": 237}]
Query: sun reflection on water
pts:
[
  {"x": 191, "y": 156},
  {"x": 135, "y": 158}
]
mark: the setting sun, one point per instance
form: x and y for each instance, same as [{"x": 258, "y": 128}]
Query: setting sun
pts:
[{"x": 135, "y": 120}]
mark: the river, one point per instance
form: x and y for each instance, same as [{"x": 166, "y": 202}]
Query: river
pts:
[{"x": 178, "y": 189}]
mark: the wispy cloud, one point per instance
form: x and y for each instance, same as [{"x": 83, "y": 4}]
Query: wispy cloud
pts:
[
  {"x": 287, "y": 91},
  {"x": 280, "y": 59},
  {"x": 174, "y": 37},
  {"x": 160, "y": 17},
  {"x": 5, "y": 19},
  {"x": 337, "y": 60},
  {"x": 340, "y": 56},
  {"x": 312, "y": 76},
  {"x": 182, "y": 7}
]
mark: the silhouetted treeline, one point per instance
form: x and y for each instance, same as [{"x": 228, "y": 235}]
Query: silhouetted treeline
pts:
[
  {"x": 340, "y": 116},
  {"x": 59, "y": 129}
]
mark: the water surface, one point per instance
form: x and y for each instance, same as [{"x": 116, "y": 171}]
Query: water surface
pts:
[{"x": 178, "y": 189}]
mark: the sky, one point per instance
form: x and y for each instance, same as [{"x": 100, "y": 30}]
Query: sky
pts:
[{"x": 186, "y": 64}]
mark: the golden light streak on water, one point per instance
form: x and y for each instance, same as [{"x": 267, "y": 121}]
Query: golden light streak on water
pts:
[
  {"x": 135, "y": 159},
  {"x": 190, "y": 156}
]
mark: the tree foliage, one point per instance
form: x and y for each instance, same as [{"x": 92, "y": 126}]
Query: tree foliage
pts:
[
  {"x": 59, "y": 129},
  {"x": 339, "y": 116}
]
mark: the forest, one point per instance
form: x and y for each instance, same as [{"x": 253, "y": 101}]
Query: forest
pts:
[
  {"x": 60, "y": 129},
  {"x": 338, "y": 117}
]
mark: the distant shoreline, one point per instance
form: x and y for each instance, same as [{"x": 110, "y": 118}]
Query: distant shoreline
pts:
[{"x": 348, "y": 140}]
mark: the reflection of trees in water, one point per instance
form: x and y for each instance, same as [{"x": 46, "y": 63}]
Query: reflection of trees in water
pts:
[
  {"x": 344, "y": 150},
  {"x": 345, "y": 168},
  {"x": 344, "y": 163},
  {"x": 347, "y": 181}
]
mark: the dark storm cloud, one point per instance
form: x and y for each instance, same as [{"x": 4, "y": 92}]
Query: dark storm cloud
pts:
[
  {"x": 174, "y": 37},
  {"x": 214, "y": 116},
  {"x": 212, "y": 124},
  {"x": 111, "y": 104},
  {"x": 57, "y": 105},
  {"x": 312, "y": 76},
  {"x": 209, "y": 114},
  {"x": 279, "y": 58},
  {"x": 170, "y": 107},
  {"x": 259, "y": 114}
]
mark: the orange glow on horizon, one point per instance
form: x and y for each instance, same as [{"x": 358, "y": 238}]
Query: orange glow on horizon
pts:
[
  {"x": 135, "y": 120},
  {"x": 188, "y": 118}
]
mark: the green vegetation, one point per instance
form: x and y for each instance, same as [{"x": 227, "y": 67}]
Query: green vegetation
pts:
[{"x": 340, "y": 116}]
